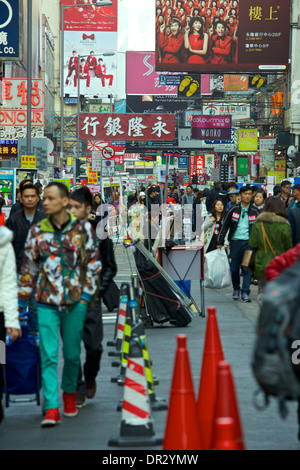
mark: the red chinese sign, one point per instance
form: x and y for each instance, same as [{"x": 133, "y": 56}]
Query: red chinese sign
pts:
[
  {"x": 14, "y": 102},
  {"x": 196, "y": 164},
  {"x": 15, "y": 93},
  {"x": 127, "y": 127}
]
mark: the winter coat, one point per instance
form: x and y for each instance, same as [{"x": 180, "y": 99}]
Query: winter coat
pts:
[
  {"x": 282, "y": 262},
  {"x": 294, "y": 219},
  {"x": 209, "y": 227},
  {"x": 279, "y": 233},
  {"x": 8, "y": 280},
  {"x": 187, "y": 199},
  {"x": 63, "y": 265},
  {"x": 20, "y": 227}
]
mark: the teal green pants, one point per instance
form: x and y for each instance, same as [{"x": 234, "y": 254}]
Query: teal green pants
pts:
[{"x": 53, "y": 323}]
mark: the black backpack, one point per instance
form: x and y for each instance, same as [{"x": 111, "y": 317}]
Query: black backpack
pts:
[{"x": 277, "y": 347}]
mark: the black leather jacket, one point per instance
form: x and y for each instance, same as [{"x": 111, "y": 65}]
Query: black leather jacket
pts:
[
  {"x": 20, "y": 227},
  {"x": 109, "y": 266}
]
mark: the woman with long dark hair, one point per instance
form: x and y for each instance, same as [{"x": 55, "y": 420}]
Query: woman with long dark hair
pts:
[
  {"x": 213, "y": 224},
  {"x": 271, "y": 235},
  {"x": 196, "y": 41}
]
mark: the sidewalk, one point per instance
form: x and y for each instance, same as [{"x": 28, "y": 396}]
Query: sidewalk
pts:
[{"x": 99, "y": 420}]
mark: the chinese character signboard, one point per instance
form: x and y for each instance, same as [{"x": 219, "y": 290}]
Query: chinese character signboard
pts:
[
  {"x": 248, "y": 140},
  {"x": 92, "y": 176},
  {"x": 8, "y": 149},
  {"x": 211, "y": 127},
  {"x": 14, "y": 99},
  {"x": 10, "y": 30},
  {"x": 28, "y": 161},
  {"x": 96, "y": 160},
  {"x": 127, "y": 127},
  {"x": 267, "y": 143},
  {"x": 248, "y": 37},
  {"x": 239, "y": 111},
  {"x": 235, "y": 82}
]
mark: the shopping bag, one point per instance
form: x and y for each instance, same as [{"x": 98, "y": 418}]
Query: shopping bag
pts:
[
  {"x": 216, "y": 269},
  {"x": 248, "y": 260}
]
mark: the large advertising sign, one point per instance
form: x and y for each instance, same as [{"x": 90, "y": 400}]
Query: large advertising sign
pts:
[
  {"x": 211, "y": 127},
  {"x": 85, "y": 15},
  {"x": 14, "y": 99},
  {"x": 229, "y": 36},
  {"x": 97, "y": 56},
  {"x": 10, "y": 30},
  {"x": 127, "y": 127}
]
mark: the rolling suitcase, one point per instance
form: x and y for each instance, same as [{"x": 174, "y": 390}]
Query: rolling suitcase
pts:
[{"x": 22, "y": 370}]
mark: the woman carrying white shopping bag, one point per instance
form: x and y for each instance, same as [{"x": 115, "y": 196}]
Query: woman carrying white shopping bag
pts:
[{"x": 217, "y": 269}]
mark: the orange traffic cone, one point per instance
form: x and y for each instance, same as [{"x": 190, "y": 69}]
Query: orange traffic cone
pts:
[
  {"x": 226, "y": 403},
  {"x": 212, "y": 354},
  {"x": 182, "y": 430},
  {"x": 224, "y": 432}
]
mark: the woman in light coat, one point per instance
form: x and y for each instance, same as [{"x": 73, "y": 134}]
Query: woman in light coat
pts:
[
  {"x": 9, "y": 316},
  {"x": 212, "y": 226}
]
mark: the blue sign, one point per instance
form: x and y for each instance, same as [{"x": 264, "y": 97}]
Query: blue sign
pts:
[
  {"x": 182, "y": 162},
  {"x": 10, "y": 44},
  {"x": 222, "y": 142},
  {"x": 170, "y": 80}
]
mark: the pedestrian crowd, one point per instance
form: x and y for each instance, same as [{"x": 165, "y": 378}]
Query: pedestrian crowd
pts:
[{"x": 57, "y": 265}]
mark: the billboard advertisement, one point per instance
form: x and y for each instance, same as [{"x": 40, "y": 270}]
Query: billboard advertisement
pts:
[
  {"x": 85, "y": 15},
  {"x": 229, "y": 36},
  {"x": 96, "y": 53},
  {"x": 211, "y": 127},
  {"x": 127, "y": 127},
  {"x": 141, "y": 78}
]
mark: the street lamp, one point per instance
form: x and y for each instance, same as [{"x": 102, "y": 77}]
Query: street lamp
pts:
[{"x": 99, "y": 3}]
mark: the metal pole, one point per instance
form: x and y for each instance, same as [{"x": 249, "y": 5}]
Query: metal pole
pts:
[
  {"x": 167, "y": 178},
  {"x": 78, "y": 112},
  {"x": 29, "y": 74},
  {"x": 62, "y": 46}
]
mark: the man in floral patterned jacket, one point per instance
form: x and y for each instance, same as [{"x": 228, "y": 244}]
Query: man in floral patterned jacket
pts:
[{"x": 61, "y": 259}]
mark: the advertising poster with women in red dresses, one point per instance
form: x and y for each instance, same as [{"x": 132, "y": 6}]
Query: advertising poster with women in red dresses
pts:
[{"x": 222, "y": 35}]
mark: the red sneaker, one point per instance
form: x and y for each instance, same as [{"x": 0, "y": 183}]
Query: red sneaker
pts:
[
  {"x": 70, "y": 408},
  {"x": 52, "y": 418}
]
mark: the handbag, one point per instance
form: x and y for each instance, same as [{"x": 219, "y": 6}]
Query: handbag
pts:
[
  {"x": 266, "y": 239},
  {"x": 248, "y": 261}
]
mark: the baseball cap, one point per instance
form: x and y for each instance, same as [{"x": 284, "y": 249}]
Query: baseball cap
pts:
[
  {"x": 233, "y": 191},
  {"x": 142, "y": 194},
  {"x": 296, "y": 186}
]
